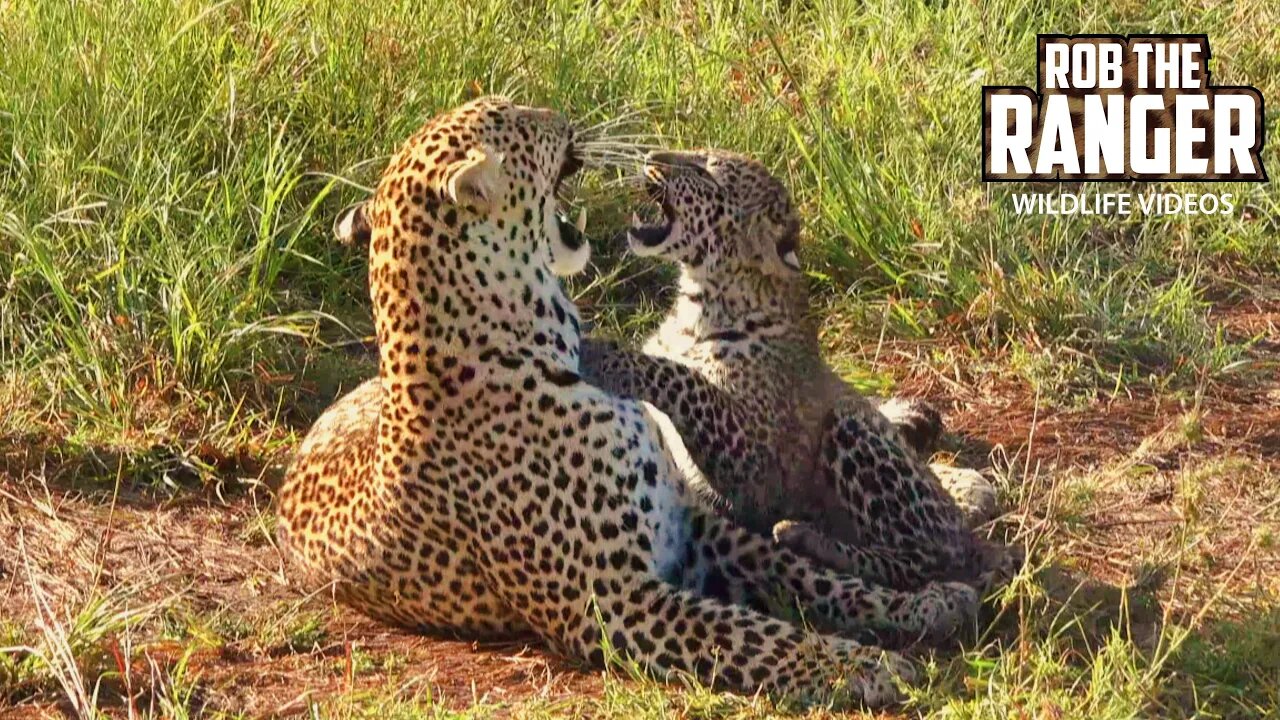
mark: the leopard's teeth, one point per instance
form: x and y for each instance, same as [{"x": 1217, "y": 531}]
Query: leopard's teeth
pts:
[
  {"x": 582, "y": 220},
  {"x": 635, "y": 219}
]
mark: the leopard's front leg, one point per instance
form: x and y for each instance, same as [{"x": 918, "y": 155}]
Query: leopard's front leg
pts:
[
  {"x": 666, "y": 628},
  {"x": 920, "y": 426},
  {"x": 748, "y": 568},
  {"x": 885, "y": 494},
  {"x": 712, "y": 427},
  {"x": 898, "y": 567}
]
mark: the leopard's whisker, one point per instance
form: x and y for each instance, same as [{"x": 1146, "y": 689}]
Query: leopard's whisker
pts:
[
  {"x": 622, "y": 167},
  {"x": 596, "y": 153},
  {"x": 627, "y": 135},
  {"x": 636, "y": 150},
  {"x": 628, "y": 139},
  {"x": 609, "y": 146},
  {"x": 625, "y": 147},
  {"x": 625, "y": 181},
  {"x": 509, "y": 87},
  {"x": 621, "y": 134},
  {"x": 607, "y": 152},
  {"x": 612, "y": 159},
  {"x": 624, "y": 150},
  {"x": 635, "y": 111}
]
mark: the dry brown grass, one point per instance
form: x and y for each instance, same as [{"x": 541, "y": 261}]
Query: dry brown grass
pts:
[{"x": 133, "y": 601}]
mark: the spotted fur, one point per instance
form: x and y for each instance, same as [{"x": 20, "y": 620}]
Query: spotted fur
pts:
[
  {"x": 480, "y": 486},
  {"x": 737, "y": 367}
]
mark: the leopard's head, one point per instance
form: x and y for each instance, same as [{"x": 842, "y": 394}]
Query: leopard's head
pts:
[
  {"x": 721, "y": 214},
  {"x": 490, "y": 159}
]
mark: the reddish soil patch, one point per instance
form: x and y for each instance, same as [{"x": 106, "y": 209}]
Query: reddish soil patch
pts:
[
  {"x": 207, "y": 563},
  {"x": 459, "y": 673},
  {"x": 207, "y": 557},
  {"x": 1239, "y": 412},
  {"x": 1143, "y": 446}
]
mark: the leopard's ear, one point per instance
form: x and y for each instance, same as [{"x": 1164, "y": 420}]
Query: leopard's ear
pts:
[
  {"x": 472, "y": 90},
  {"x": 474, "y": 179},
  {"x": 352, "y": 225}
]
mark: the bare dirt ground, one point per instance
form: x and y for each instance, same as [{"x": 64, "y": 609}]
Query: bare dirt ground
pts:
[{"x": 147, "y": 585}]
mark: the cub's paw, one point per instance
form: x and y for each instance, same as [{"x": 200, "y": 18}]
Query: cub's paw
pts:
[
  {"x": 794, "y": 535},
  {"x": 938, "y": 610},
  {"x": 919, "y": 422},
  {"x": 1000, "y": 565},
  {"x": 876, "y": 682},
  {"x": 804, "y": 539},
  {"x": 893, "y": 567},
  {"x": 973, "y": 493}
]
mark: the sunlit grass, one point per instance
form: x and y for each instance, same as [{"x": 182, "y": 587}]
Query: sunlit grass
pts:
[
  {"x": 171, "y": 176},
  {"x": 173, "y": 311}
]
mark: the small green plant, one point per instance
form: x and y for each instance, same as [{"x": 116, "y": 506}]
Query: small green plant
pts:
[
  {"x": 305, "y": 632},
  {"x": 21, "y": 670}
]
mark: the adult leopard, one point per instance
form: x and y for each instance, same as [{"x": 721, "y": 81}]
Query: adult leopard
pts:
[
  {"x": 737, "y": 366},
  {"x": 480, "y": 486}
]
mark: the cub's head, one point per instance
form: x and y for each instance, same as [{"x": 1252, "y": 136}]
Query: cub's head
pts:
[
  {"x": 489, "y": 161},
  {"x": 721, "y": 213}
]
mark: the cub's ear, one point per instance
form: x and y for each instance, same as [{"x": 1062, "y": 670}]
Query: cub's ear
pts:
[
  {"x": 472, "y": 90},
  {"x": 352, "y": 225},
  {"x": 474, "y": 179}
]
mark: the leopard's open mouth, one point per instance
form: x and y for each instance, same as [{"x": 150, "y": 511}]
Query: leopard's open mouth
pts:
[{"x": 651, "y": 225}]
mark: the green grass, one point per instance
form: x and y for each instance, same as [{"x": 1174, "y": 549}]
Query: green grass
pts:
[
  {"x": 173, "y": 312},
  {"x": 171, "y": 172}
]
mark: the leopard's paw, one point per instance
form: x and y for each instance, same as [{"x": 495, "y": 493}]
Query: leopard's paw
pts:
[
  {"x": 805, "y": 539},
  {"x": 1000, "y": 565},
  {"x": 876, "y": 684},
  {"x": 973, "y": 493},
  {"x": 938, "y": 610},
  {"x": 802, "y": 538},
  {"x": 918, "y": 421}
]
